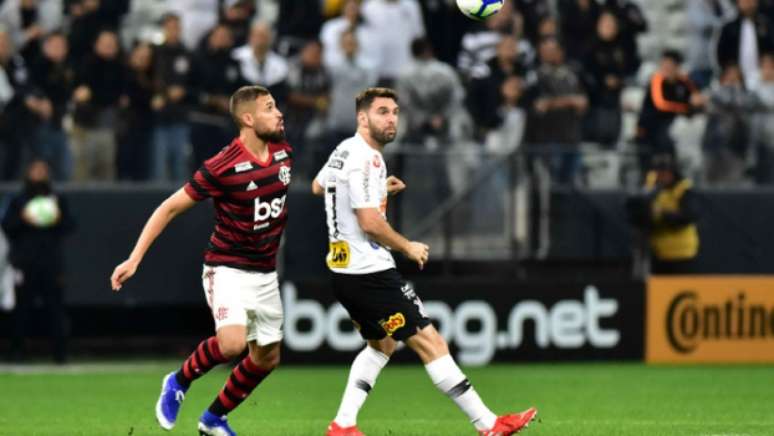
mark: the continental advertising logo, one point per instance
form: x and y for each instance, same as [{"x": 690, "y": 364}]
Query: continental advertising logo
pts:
[
  {"x": 710, "y": 319},
  {"x": 393, "y": 323}
]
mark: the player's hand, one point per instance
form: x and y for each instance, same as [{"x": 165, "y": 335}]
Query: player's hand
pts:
[
  {"x": 418, "y": 252},
  {"x": 394, "y": 185},
  {"x": 122, "y": 273}
]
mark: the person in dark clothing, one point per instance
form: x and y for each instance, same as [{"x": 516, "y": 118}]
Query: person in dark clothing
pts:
[
  {"x": 171, "y": 135},
  {"x": 578, "y": 23},
  {"x": 214, "y": 78},
  {"x": 631, "y": 22},
  {"x": 36, "y": 222},
  {"x": 53, "y": 76},
  {"x": 88, "y": 18},
  {"x": 484, "y": 93},
  {"x": 237, "y": 16},
  {"x": 667, "y": 212},
  {"x": 607, "y": 65},
  {"x": 134, "y": 125},
  {"x": 15, "y": 119},
  {"x": 670, "y": 93},
  {"x": 734, "y": 47},
  {"x": 98, "y": 89}
]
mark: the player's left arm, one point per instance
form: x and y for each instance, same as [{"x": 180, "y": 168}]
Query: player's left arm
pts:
[
  {"x": 395, "y": 185},
  {"x": 173, "y": 206},
  {"x": 317, "y": 189}
]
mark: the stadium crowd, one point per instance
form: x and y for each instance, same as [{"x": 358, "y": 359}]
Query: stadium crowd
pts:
[{"x": 138, "y": 90}]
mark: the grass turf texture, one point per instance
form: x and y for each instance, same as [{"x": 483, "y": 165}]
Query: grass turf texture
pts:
[{"x": 585, "y": 399}]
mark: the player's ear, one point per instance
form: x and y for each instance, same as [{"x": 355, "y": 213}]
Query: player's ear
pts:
[
  {"x": 361, "y": 118},
  {"x": 247, "y": 119}
]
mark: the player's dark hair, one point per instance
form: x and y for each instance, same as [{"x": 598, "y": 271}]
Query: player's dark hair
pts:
[
  {"x": 673, "y": 55},
  {"x": 243, "y": 95},
  {"x": 364, "y": 99}
]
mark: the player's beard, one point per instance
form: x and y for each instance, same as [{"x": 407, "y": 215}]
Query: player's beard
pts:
[
  {"x": 381, "y": 136},
  {"x": 277, "y": 135}
]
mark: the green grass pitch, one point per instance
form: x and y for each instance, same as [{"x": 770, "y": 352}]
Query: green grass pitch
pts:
[{"x": 573, "y": 399}]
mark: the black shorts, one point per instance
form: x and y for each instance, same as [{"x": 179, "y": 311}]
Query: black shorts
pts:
[{"x": 381, "y": 304}]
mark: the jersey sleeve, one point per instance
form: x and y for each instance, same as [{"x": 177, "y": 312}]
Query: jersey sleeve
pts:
[
  {"x": 363, "y": 180},
  {"x": 321, "y": 175},
  {"x": 203, "y": 185}
]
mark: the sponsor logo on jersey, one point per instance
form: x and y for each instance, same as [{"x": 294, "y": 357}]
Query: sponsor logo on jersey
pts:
[
  {"x": 268, "y": 209},
  {"x": 252, "y": 186},
  {"x": 243, "y": 166},
  {"x": 279, "y": 155},
  {"x": 284, "y": 175},
  {"x": 336, "y": 163},
  {"x": 393, "y": 323}
]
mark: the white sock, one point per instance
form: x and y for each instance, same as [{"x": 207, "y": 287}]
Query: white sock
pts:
[
  {"x": 362, "y": 376},
  {"x": 448, "y": 377}
]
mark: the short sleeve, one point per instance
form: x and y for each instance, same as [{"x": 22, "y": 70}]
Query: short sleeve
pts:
[
  {"x": 203, "y": 185},
  {"x": 321, "y": 175},
  {"x": 364, "y": 180}
]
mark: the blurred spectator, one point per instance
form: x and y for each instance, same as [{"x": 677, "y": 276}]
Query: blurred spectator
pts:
[
  {"x": 308, "y": 99},
  {"x": 445, "y": 26},
  {"x": 237, "y": 15},
  {"x": 36, "y": 222},
  {"x": 99, "y": 85},
  {"x": 506, "y": 136},
  {"x": 53, "y": 75},
  {"x": 87, "y": 19},
  {"x": 532, "y": 13},
  {"x": 330, "y": 36},
  {"x": 667, "y": 213},
  {"x": 578, "y": 19},
  {"x": 298, "y": 22},
  {"x": 395, "y": 23},
  {"x": 514, "y": 57},
  {"x": 763, "y": 130},
  {"x": 479, "y": 45},
  {"x": 704, "y": 18},
  {"x": 743, "y": 40},
  {"x": 134, "y": 126},
  {"x": 669, "y": 94},
  {"x": 547, "y": 28},
  {"x": 171, "y": 135},
  {"x": 631, "y": 22},
  {"x": 195, "y": 19},
  {"x": 349, "y": 76},
  {"x": 607, "y": 65},
  {"x": 260, "y": 65},
  {"x": 215, "y": 77},
  {"x": 727, "y": 136},
  {"x": 28, "y": 20},
  {"x": 559, "y": 103},
  {"x": 15, "y": 99},
  {"x": 432, "y": 98}
]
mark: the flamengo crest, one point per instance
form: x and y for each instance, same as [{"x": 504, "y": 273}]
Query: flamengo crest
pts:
[{"x": 284, "y": 175}]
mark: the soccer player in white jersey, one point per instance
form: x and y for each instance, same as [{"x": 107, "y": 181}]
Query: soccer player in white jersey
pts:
[{"x": 383, "y": 307}]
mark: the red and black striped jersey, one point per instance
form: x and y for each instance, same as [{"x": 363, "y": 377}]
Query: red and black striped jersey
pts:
[{"x": 249, "y": 199}]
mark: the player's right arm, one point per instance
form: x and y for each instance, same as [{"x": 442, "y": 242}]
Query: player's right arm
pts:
[
  {"x": 378, "y": 229},
  {"x": 173, "y": 206}
]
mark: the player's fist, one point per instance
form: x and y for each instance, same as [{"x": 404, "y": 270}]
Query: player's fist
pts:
[
  {"x": 122, "y": 273},
  {"x": 418, "y": 252},
  {"x": 394, "y": 185}
]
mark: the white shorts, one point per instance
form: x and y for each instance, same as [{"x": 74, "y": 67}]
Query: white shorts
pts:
[{"x": 248, "y": 298}]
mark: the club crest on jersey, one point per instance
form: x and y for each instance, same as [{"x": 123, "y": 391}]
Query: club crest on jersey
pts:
[
  {"x": 393, "y": 323},
  {"x": 284, "y": 175},
  {"x": 279, "y": 155},
  {"x": 243, "y": 166}
]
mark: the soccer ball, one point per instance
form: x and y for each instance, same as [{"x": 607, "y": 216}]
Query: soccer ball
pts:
[
  {"x": 42, "y": 210},
  {"x": 480, "y": 9}
]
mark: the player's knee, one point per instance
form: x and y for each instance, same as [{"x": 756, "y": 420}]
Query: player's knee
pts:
[
  {"x": 268, "y": 362},
  {"x": 231, "y": 348}
]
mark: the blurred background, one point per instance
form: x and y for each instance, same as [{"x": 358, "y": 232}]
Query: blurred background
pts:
[{"x": 558, "y": 156}]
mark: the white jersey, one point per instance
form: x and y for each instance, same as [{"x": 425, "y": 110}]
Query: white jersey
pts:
[{"x": 355, "y": 177}]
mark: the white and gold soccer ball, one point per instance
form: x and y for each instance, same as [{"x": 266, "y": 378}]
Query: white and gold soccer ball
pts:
[
  {"x": 480, "y": 9},
  {"x": 42, "y": 210}
]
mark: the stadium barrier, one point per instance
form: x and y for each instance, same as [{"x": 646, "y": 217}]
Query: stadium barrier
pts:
[
  {"x": 484, "y": 321},
  {"x": 710, "y": 319}
]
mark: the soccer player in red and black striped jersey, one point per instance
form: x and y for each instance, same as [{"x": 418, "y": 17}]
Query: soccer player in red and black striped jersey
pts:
[{"x": 247, "y": 182}]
